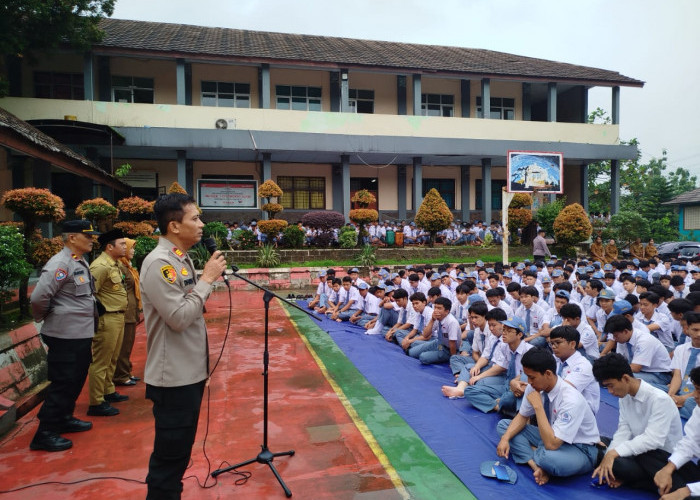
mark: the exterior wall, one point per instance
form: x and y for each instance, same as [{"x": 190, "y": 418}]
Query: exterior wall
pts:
[
  {"x": 58, "y": 62},
  {"x": 693, "y": 234},
  {"x": 384, "y": 86},
  {"x": 497, "y": 173},
  {"x": 387, "y": 189},
  {"x": 162, "y": 72},
  {"x": 309, "y": 78},
  {"x": 166, "y": 169},
  {"x": 231, "y": 169},
  {"x": 224, "y": 73},
  {"x": 572, "y": 183}
]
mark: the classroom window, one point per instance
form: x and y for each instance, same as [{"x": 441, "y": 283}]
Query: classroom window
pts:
[
  {"x": 132, "y": 89},
  {"x": 502, "y": 108},
  {"x": 226, "y": 94},
  {"x": 446, "y": 188},
  {"x": 437, "y": 105},
  {"x": 49, "y": 85},
  {"x": 298, "y": 98},
  {"x": 496, "y": 194},
  {"x": 361, "y": 101},
  {"x": 691, "y": 218},
  {"x": 303, "y": 193}
]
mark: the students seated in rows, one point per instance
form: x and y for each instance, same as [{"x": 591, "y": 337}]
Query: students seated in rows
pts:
[
  {"x": 648, "y": 358},
  {"x": 335, "y": 298},
  {"x": 564, "y": 442},
  {"x": 484, "y": 358},
  {"x": 323, "y": 290},
  {"x": 422, "y": 313},
  {"x": 552, "y": 317},
  {"x": 496, "y": 298},
  {"x": 677, "y": 308},
  {"x": 572, "y": 367},
  {"x": 571, "y": 315},
  {"x": 656, "y": 322},
  {"x": 648, "y": 427},
  {"x": 469, "y": 353},
  {"x": 388, "y": 313},
  {"x": 349, "y": 297},
  {"x": 368, "y": 305},
  {"x": 446, "y": 335},
  {"x": 685, "y": 359},
  {"x": 404, "y": 312},
  {"x": 500, "y": 387},
  {"x": 605, "y": 301},
  {"x": 460, "y": 306},
  {"x": 679, "y": 478},
  {"x": 532, "y": 315}
]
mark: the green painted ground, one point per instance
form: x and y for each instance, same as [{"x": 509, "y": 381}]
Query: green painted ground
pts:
[{"x": 421, "y": 471}]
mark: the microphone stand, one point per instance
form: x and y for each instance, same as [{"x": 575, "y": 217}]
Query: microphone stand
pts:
[{"x": 266, "y": 456}]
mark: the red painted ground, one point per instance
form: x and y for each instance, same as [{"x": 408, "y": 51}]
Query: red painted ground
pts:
[{"x": 332, "y": 459}]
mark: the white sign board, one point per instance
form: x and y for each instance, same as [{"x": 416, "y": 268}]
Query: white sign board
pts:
[{"x": 228, "y": 193}]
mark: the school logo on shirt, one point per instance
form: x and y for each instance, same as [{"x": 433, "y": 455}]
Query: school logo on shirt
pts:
[
  {"x": 565, "y": 417},
  {"x": 168, "y": 273},
  {"x": 184, "y": 271},
  {"x": 60, "y": 274}
]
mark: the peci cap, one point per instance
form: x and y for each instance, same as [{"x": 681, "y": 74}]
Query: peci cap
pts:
[
  {"x": 112, "y": 235},
  {"x": 78, "y": 226}
]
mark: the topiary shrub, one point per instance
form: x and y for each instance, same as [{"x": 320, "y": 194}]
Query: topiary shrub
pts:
[
  {"x": 45, "y": 248},
  {"x": 144, "y": 245},
  {"x": 518, "y": 218},
  {"x": 433, "y": 214},
  {"x": 272, "y": 227},
  {"x": 293, "y": 236},
  {"x": 520, "y": 200},
  {"x": 361, "y": 216},
  {"x": 134, "y": 229},
  {"x": 97, "y": 209},
  {"x": 13, "y": 265},
  {"x": 175, "y": 187},
  {"x": 347, "y": 237},
  {"x": 135, "y": 206},
  {"x": 323, "y": 221},
  {"x": 572, "y": 226},
  {"x": 244, "y": 239}
]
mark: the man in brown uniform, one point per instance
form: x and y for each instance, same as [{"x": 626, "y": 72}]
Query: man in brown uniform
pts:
[
  {"x": 107, "y": 343},
  {"x": 637, "y": 249},
  {"x": 610, "y": 251},
  {"x": 598, "y": 251},
  {"x": 177, "y": 363}
]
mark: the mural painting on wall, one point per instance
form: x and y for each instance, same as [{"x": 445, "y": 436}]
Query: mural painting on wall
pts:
[{"x": 535, "y": 171}]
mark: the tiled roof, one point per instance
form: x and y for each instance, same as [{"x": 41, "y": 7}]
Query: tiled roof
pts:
[
  {"x": 689, "y": 197},
  {"x": 180, "y": 40}
]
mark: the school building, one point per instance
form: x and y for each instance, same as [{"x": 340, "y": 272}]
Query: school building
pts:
[{"x": 222, "y": 110}]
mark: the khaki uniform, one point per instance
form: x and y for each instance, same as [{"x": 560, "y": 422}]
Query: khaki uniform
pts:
[
  {"x": 106, "y": 345},
  {"x": 598, "y": 252},
  {"x": 122, "y": 373},
  {"x": 637, "y": 251},
  {"x": 173, "y": 303},
  {"x": 610, "y": 252}
]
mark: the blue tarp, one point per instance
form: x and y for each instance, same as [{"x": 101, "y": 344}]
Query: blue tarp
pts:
[{"x": 461, "y": 436}]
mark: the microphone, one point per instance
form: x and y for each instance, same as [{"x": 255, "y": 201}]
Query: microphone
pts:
[{"x": 210, "y": 245}]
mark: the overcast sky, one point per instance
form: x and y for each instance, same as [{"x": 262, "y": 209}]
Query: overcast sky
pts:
[{"x": 650, "y": 40}]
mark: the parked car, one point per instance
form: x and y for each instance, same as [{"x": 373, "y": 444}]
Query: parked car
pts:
[
  {"x": 671, "y": 249},
  {"x": 689, "y": 252}
]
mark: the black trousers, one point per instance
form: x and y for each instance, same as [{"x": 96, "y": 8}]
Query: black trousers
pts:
[
  {"x": 176, "y": 412},
  {"x": 638, "y": 471},
  {"x": 68, "y": 362}
]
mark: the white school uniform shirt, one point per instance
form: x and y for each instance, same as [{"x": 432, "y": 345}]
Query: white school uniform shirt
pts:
[
  {"x": 688, "y": 448},
  {"x": 676, "y": 330},
  {"x": 503, "y": 354},
  {"x": 455, "y": 310},
  {"x": 427, "y": 313},
  {"x": 579, "y": 373},
  {"x": 681, "y": 355},
  {"x": 446, "y": 292},
  {"x": 664, "y": 332},
  {"x": 482, "y": 338},
  {"x": 372, "y": 304},
  {"x": 649, "y": 420},
  {"x": 449, "y": 331},
  {"x": 405, "y": 318},
  {"x": 647, "y": 351},
  {"x": 571, "y": 418},
  {"x": 503, "y": 305},
  {"x": 552, "y": 318},
  {"x": 589, "y": 340},
  {"x": 324, "y": 288},
  {"x": 536, "y": 316}
]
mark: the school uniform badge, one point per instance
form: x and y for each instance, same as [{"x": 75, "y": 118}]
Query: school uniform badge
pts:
[
  {"x": 60, "y": 274},
  {"x": 168, "y": 273}
]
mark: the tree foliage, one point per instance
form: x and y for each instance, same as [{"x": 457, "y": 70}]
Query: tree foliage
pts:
[
  {"x": 548, "y": 212},
  {"x": 433, "y": 214},
  {"x": 572, "y": 225},
  {"x": 626, "y": 226},
  {"x": 13, "y": 263}
]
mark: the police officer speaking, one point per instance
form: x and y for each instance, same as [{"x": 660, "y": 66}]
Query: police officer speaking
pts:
[
  {"x": 177, "y": 363},
  {"x": 63, "y": 299}
]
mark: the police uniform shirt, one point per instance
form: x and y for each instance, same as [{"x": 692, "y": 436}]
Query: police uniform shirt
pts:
[
  {"x": 447, "y": 330},
  {"x": 109, "y": 284},
  {"x": 589, "y": 340},
  {"x": 571, "y": 418},
  {"x": 502, "y": 355},
  {"x": 648, "y": 421},
  {"x": 647, "y": 351},
  {"x": 688, "y": 448},
  {"x": 63, "y": 297},
  {"x": 579, "y": 373},
  {"x": 173, "y": 302},
  {"x": 681, "y": 355}
]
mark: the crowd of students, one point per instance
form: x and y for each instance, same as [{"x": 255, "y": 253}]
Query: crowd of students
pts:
[{"x": 536, "y": 341}]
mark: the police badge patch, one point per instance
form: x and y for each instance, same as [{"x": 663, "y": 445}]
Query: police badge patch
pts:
[
  {"x": 168, "y": 273},
  {"x": 60, "y": 274}
]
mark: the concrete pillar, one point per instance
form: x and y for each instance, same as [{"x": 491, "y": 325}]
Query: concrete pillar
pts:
[
  {"x": 264, "y": 86},
  {"x": 182, "y": 168},
  {"x": 189, "y": 177},
  {"x": 584, "y": 186},
  {"x": 417, "y": 183},
  {"x": 180, "y": 81},
  {"x": 616, "y": 105},
  {"x": 334, "y": 90},
  {"x": 486, "y": 97},
  {"x": 344, "y": 91},
  {"x": 401, "y": 95},
  {"x": 417, "y": 94},
  {"x": 345, "y": 159},
  {"x": 337, "y": 187},
  {"x": 266, "y": 172},
  {"x": 465, "y": 98},
  {"x": 466, "y": 213},
  {"x": 614, "y": 187},
  {"x": 551, "y": 102},
  {"x": 584, "y": 104},
  {"x": 88, "y": 77},
  {"x": 486, "y": 189},
  {"x": 527, "y": 102},
  {"x": 401, "y": 186},
  {"x": 104, "y": 78}
]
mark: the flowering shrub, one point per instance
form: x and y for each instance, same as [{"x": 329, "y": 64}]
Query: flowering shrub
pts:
[
  {"x": 269, "y": 189},
  {"x": 175, "y": 187},
  {"x": 134, "y": 229},
  {"x": 572, "y": 225},
  {"x": 363, "y": 198},
  {"x": 363, "y": 215},
  {"x": 521, "y": 200},
  {"x": 34, "y": 203},
  {"x": 244, "y": 239},
  {"x": 97, "y": 209},
  {"x": 135, "y": 205},
  {"x": 13, "y": 265},
  {"x": 324, "y": 221},
  {"x": 518, "y": 218},
  {"x": 44, "y": 249},
  {"x": 272, "y": 227},
  {"x": 433, "y": 214},
  {"x": 272, "y": 209}
]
